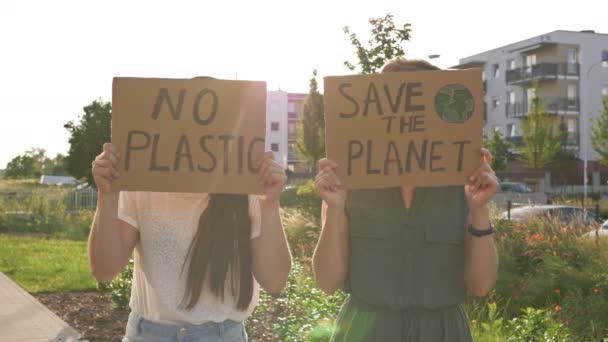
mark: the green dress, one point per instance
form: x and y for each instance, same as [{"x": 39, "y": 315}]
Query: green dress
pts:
[{"x": 406, "y": 267}]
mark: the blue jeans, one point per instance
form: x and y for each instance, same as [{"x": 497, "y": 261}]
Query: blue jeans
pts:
[{"x": 140, "y": 329}]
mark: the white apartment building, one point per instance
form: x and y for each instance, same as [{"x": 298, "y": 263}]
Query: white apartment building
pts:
[
  {"x": 282, "y": 114},
  {"x": 572, "y": 73}
]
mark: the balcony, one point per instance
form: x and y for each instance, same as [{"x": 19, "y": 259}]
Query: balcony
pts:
[
  {"x": 554, "y": 105},
  {"x": 542, "y": 71}
]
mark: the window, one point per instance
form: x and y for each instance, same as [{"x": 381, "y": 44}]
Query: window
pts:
[
  {"x": 572, "y": 55},
  {"x": 496, "y": 71},
  {"x": 572, "y": 91},
  {"x": 572, "y": 96},
  {"x": 483, "y": 75},
  {"x": 530, "y": 60},
  {"x": 291, "y": 107},
  {"x": 495, "y": 103},
  {"x": 571, "y": 125},
  {"x": 274, "y": 147},
  {"x": 605, "y": 56},
  {"x": 485, "y": 111},
  {"x": 291, "y": 128},
  {"x": 529, "y": 98},
  {"x": 511, "y": 64},
  {"x": 510, "y": 130},
  {"x": 511, "y": 97},
  {"x": 274, "y": 126}
]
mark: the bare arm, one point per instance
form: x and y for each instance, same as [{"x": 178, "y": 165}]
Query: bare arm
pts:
[
  {"x": 481, "y": 259},
  {"x": 271, "y": 256},
  {"x": 330, "y": 260},
  {"x": 270, "y": 251},
  {"x": 111, "y": 241}
]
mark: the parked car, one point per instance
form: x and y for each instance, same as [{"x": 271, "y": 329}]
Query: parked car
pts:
[
  {"x": 567, "y": 214},
  {"x": 515, "y": 187},
  {"x": 601, "y": 231}
]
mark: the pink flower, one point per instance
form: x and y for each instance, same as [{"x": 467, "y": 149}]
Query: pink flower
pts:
[
  {"x": 307, "y": 259},
  {"x": 557, "y": 291},
  {"x": 558, "y": 308},
  {"x": 596, "y": 291}
]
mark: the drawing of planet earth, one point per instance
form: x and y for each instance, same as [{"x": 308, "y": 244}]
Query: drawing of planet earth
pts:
[{"x": 454, "y": 103}]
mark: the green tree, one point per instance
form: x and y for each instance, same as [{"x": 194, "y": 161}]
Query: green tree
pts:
[
  {"x": 385, "y": 44},
  {"x": 87, "y": 137},
  {"x": 310, "y": 141},
  {"x": 54, "y": 166},
  {"x": 541, "y": 144},
  {"x": 499, "y": 147},
  {"x": 599, "y": 134},
  {"x": 27, "y": 165}
]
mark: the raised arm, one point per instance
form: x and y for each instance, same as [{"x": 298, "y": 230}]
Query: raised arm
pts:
[
  {"x": 111, "y": 240},
  {"x": 481, "y": 259},
  {"x": 271, "y": 255},
  {"x": 330, "y": 260}
]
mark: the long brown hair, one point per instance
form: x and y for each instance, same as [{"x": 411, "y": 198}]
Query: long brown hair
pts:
[{"x": 221, "y": 252}]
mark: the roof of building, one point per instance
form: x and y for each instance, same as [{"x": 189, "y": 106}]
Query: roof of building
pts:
[
  {"x": 523, "y": 45},
  {"x": 58, "y": 180}
]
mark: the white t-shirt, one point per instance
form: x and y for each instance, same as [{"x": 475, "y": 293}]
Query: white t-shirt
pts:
[{"x": 167, "y": 223}]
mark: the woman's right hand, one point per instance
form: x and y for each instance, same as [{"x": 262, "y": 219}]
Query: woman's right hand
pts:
[
  {"x": 105, "y": 168},
  {"x": 328, "y": 186}
]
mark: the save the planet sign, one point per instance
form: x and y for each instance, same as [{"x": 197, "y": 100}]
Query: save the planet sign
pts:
[{"x": 404, "y": 128}]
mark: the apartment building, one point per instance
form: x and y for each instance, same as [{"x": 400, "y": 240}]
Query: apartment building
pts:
[
  {"x": 572, "y": 73},
  {"x": 283, "y": 113}
]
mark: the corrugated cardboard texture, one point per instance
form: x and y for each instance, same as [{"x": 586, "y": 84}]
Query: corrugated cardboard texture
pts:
[
  {"x": 188, "y": 135},
  {"x": 404, "y": 128}
]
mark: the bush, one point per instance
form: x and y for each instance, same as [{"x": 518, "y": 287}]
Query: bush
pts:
[
  {"x": 534, "y": 325},
  {"x": 120, "y": 287},
  {"x": 302, "y": 312},
  {"x": 44, "y": 212},
  {"x": 302, "y": 231},
  {"x": 309, "y": 201},
  {"x": 289, "y": 197},
  {"x": 550, "y": 267}
]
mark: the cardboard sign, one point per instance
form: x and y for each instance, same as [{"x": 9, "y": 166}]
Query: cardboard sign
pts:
[
  {"x": 192, "y": 135},
  {"x": 404, "y": 128}
]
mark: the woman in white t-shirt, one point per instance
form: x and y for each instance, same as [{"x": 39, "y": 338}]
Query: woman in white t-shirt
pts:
[{"x": 199, "y": 258}]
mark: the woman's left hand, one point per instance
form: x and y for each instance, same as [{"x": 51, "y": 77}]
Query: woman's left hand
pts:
[
  {"x": 482, "y": 184},
  {"x": 271, "y": 176}
]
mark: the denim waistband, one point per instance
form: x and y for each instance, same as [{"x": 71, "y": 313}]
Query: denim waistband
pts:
[{"x": 171, "y": 330}]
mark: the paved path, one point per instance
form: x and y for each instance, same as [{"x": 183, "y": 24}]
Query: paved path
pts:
[{"x": 24, "y": 319}]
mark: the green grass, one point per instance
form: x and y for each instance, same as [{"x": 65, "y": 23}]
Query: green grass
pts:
[{"x": 46, "y": 265}]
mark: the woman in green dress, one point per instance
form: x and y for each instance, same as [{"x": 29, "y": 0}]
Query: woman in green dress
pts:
[{"x": 406, "y": 256}]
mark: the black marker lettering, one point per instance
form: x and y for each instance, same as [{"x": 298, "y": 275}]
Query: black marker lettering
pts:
[{"x": 132, "y": 147}]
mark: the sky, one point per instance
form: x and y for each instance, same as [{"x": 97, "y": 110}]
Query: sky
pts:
[{"x": 58, "y": 56}]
